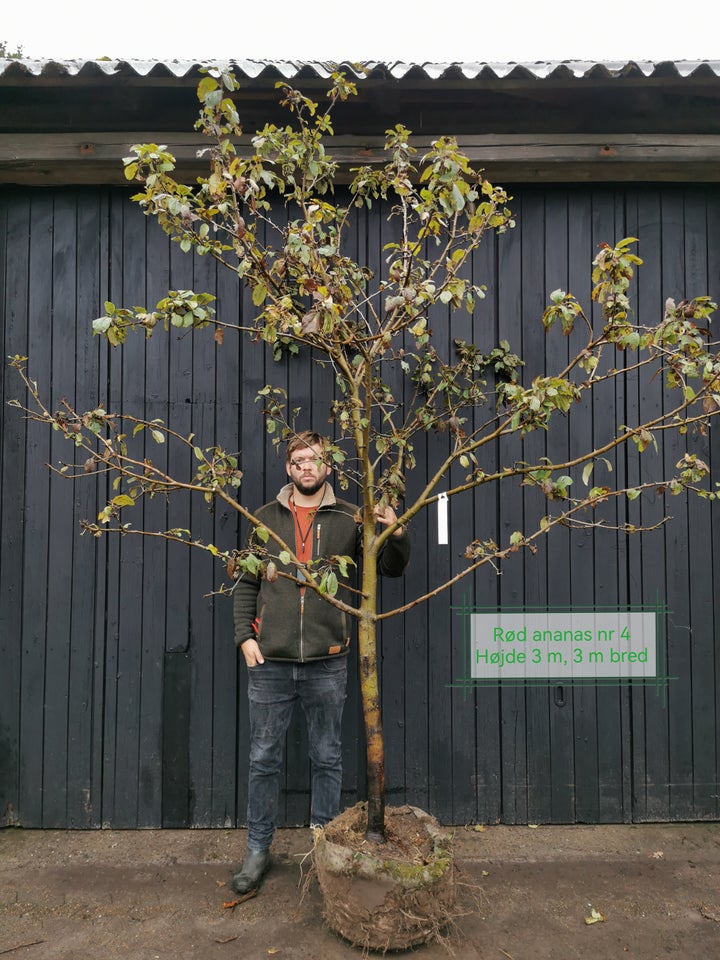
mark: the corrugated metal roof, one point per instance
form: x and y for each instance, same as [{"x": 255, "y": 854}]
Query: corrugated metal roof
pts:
[{"x": 287, "y": 69}]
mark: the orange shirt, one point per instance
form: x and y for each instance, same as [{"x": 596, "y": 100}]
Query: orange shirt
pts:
[{"x": 304, "y": 519}]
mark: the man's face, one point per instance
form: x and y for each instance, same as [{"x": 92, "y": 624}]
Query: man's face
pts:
[{"x": 307, "y": 471}]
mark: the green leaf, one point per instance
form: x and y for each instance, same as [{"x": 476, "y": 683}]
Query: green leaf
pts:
[
  {"x": 123, "y": 500},
  {"x": 207, "y": 85},
  {"x": 259, "y": 294},
  {"x": 158, "y": 436},
  {"x": 262, "y": 534},
  {"x": 284, "y": 557},
  {"x": 587, "y": 471}
]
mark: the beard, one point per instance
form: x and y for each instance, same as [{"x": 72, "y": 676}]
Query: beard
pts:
[{"x": 308, "y": 486}]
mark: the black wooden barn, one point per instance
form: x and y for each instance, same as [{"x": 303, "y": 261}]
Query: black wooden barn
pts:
[{"x": 121, "y": 697}]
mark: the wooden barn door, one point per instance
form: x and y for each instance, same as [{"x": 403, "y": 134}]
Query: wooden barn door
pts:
[{"x": 122, "y": 702}]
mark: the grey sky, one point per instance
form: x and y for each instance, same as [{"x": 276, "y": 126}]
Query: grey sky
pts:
[{"x": 514, "y": 30}]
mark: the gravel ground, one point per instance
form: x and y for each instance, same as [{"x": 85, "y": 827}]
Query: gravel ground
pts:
[{"x": 160, "y": 895}]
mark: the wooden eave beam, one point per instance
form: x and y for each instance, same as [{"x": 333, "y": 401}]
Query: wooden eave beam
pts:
[{"x": 96, "y": 158}]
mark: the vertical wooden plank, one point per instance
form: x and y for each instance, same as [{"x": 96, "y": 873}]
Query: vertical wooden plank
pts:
[
  {"x": 581, "y": 584},
  {"x": 562, "y": 235},
  {"x": 202, "y": 577},
  {"x": 626, "y": 213},
  {"x": 252, "y": 494},
  {"x": 61, "y": 513},
  {"x": 177, "y": 707},
  {"x": 699, "y": 220},
  {"x": 441, "y": 759},
  {"x": 161, "y": 703},
  {"x": 14, "y": 246},
  {"x": 485, "y": 586},
  {"x": 676, "y": 545},
  {"x": 418, "y": 637},
  {"x": 38, "y": 525},
  {"x": 112, "y": 370},
  {"x": 462, "y": 522},
  {"x": 86, "y": 651},
  {"x": 179, "y": 654},
  {"x": 643, "y": 222},
  {"x": 608, "y": 221},
  {"x": 228, "y": 413},
  {"x": 533, "y": 505},
  {"x": 712, "y": 666},
  {"x": 127, "y": 787},
  {"x": 512, "y": 586},
  {"x": 441, "y": 755}
]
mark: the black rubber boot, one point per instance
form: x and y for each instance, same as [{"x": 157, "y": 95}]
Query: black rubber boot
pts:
[{"x": 254, "y": 868}]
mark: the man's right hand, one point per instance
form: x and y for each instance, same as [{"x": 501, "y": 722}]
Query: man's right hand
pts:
[{"x": 251, "y": 652}]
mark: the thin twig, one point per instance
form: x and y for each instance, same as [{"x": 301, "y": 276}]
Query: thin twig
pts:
[{"x": 20, "y": 946}]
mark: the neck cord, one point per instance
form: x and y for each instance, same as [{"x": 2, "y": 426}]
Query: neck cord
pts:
[{"x": 304, "y": 536}]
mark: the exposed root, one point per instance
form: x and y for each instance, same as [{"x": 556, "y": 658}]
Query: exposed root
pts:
[{"x": 307, "y": 875}]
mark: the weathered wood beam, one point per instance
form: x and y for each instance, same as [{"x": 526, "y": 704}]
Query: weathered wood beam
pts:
[{"x": 95, "y": 158}]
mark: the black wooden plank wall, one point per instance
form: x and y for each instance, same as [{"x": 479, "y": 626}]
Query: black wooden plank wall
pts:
[{"x": 121, "y": 699}]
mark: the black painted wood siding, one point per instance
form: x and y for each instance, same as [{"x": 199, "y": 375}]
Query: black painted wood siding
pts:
[{"x": 122, "y": 702}]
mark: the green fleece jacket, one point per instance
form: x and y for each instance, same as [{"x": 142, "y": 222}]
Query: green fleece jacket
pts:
[{"x": 299, "y": 625}]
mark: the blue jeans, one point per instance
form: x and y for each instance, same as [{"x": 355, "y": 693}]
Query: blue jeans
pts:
[{"x": 273, "y": 688}]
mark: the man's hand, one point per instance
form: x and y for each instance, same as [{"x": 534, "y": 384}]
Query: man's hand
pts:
[
  {"x": 251, "y": 652},
  {"x": 386, "y": 515}
]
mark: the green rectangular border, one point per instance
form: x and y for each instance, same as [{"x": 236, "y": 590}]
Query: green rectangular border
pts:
[{"x": 659, "y": 683}]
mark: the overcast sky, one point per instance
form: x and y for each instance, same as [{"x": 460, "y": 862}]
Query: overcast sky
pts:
[{"x": 410, "y": 30}]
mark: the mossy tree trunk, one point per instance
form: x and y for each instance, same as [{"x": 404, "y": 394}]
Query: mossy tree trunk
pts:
[
  {"x": 370, "y": 693},
  {"x": 369, "y": 679}
]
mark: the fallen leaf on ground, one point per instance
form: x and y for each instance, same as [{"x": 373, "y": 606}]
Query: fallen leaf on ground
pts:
[
  {"x": 479, "y": 828},
  {"x": 505, "y": 953},
  {"x": 595, "y": 917},
  {"x": 533, "y": 826},
  {"x": 710, "y": 913},
  {"x": 220, "y": 883},
  {"x": 658, "y": 855},
  {"x": 485, "y": 873},
  {"x": 225, "y": 939}
]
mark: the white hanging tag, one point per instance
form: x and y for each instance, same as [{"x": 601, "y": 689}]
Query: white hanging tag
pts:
[{"x": 442, "y": 515}]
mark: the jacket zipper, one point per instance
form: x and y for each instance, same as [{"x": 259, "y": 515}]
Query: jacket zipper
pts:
[
  {"x": 302, "y": 613},
  {"x": 316, "y": 553}
]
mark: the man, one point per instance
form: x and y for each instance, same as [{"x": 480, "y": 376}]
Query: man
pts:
[{"x": 295, "y": 644}]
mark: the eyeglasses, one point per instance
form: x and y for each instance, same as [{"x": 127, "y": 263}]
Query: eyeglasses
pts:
[{"x": 306, "y": 461}]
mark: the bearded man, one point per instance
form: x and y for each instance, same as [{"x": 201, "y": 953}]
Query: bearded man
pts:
[{"x": 296, "y": 644}]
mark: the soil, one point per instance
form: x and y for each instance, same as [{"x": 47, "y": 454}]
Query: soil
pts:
[
  {"x": 404, "y": 838},
  {"x": 159, "y": 895}
]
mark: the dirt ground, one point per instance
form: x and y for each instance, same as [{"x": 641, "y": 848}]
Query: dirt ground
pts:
[{"x": 159, "y": 895}]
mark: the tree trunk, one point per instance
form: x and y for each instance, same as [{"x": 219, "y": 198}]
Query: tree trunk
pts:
[{"x": 370, "y": 694}]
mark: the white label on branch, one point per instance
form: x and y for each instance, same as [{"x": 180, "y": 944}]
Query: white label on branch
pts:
[{"x": 442, "y": 514}]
